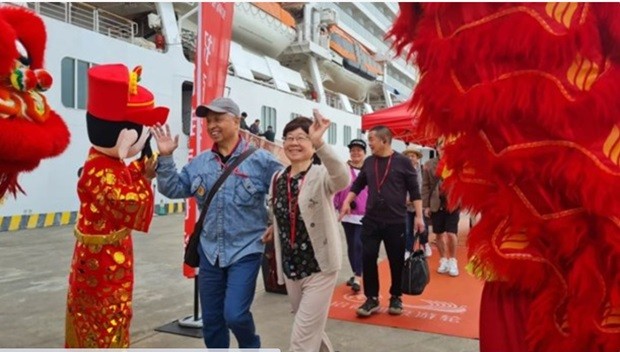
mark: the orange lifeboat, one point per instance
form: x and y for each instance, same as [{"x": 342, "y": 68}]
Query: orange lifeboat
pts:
[
  {"x": 355, "y": 57},
  {"x": 264, "y": 27},
  {"x": 358, "y": 71}
]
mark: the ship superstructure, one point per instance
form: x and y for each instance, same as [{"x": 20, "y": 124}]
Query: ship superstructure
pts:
[{"x": 285, "y": 59}]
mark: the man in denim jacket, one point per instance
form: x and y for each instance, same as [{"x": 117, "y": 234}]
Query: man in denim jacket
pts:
[{"x": 230, "y": 244}]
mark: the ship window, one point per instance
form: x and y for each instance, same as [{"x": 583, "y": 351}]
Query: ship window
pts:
[
  {"x": 186, "y": 107},
  {"x": 347, "y": 135},
  {"x": 74, "y": 82},
  {"x": 359, "y": 133},
  {"x": 67, "y": 82},
  {"x": 332, "y": 134},
  {"x": 82, "y": 83},
  {"x": 268, "y": 118}
]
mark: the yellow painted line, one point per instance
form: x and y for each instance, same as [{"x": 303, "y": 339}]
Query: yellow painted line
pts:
[
  {"x": 32, "y": 221},
  {"x": 64, "y": 218},
  {"x": 49, "y": 220},
  {"x": 14, "y": 224}
]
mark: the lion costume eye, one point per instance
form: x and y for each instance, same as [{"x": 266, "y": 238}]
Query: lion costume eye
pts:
[{"x": 23, "y": 53}]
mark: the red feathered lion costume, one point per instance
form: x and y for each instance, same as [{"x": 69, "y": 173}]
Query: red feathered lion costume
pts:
[
  {"x": 530, "y": 94},
  {"x": 29, "y": 129}
]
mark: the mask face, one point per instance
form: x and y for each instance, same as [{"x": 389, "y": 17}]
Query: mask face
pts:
[
  {"x": 128, "y": 144},
  {"x": 137, "y": 147}
]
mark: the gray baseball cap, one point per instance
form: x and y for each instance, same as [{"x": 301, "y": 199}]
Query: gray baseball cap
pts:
[{"x": 220, "y": 106}]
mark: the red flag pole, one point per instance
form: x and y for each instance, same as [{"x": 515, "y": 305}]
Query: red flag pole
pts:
[{"x": 211, "y": 67}]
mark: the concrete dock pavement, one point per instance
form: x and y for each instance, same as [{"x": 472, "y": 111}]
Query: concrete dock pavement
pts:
[{"x": 34, "y": 266}]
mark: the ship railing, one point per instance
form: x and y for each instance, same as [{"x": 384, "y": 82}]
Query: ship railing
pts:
[
  {"x": 358, "y": 108},
  {"x": 274, "y": 148},
  {"x": 231, "y": 71},
  {"x": 332, "y": 99},
  {"x": 88, "y": 17}
]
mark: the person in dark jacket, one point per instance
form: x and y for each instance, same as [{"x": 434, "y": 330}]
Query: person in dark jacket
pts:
[
  {"x": 270, "y": 135},
  {"x": 389, "y": 176}
]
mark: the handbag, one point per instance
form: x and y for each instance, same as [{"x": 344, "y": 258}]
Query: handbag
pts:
[
  {"x": 416, "y": 274},
  {"x": 269, "y": 265},
  {"x": 191, "y": 257},
  {"x": 269, "y": 269}
]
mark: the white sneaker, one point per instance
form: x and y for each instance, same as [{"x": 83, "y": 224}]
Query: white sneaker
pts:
[
  {"x": 443, "y": 266},
  {"x": 453, "y": 267},
  {"x": 427, "y": 250}
]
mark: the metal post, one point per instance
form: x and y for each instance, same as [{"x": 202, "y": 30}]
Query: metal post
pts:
[
  {"x": 96, "y": 20},
  {"x": 68, "y": 12},
  {"x": 190, "y": 325},
  {"x": 193, "y": 321},
  {"x": 196, "y": 300}
]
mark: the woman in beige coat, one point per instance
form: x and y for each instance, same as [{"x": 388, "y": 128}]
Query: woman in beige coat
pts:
[{"x": 306, "y": 233}]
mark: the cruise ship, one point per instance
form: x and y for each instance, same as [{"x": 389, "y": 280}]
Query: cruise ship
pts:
[{"x": 285, "y": 59}]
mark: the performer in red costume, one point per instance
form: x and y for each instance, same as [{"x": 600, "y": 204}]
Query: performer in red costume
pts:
[
  {"x": 530, "y": 94},
  {"x": 29, "y": 129},
  {"x": 115, "y": 199}
]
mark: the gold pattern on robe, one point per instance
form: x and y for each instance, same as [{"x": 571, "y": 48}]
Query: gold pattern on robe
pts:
[
  {"x": 119, "y": 257},
  {"x": 110, "y": 179},
  {"x": 92, "y": 264},
  {"x": 94, "y": 248},
  {"x": 92, "y": 281}
]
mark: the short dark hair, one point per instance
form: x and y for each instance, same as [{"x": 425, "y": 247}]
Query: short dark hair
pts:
[
  {"x": 244, "y": 114},
  {"x": 382, "y": 132},
  {"x": 269, "y": 127},
  {"x": 299, "y": 122}
]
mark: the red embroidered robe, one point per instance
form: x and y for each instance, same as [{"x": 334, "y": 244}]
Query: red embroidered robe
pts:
[{"x": 115, "y": 199}]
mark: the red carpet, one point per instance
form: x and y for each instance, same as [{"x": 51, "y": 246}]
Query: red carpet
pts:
[{"x": 448, "y": 306}]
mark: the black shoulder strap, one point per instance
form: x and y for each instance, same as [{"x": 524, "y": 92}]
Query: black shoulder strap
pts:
[{"x": 227, "y": 171}]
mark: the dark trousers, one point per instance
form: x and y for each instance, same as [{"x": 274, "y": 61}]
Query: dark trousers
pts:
[
  {"x": 353, "y": 232},
  {"x": 409, "y": 235},
  {"x": 393, "y": 239}
]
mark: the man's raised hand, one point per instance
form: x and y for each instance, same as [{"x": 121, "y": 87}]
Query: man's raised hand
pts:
[{"x": 166, "y": 144}]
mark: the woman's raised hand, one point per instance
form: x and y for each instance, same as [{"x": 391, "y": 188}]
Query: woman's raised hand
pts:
[{"x": 318, "y": 128}]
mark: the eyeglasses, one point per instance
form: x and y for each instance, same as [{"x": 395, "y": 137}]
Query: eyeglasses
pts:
[{"x": 298, "y": 139}]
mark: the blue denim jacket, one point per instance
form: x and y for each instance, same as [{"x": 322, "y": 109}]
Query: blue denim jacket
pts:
[{"x": 237, "y": 216}]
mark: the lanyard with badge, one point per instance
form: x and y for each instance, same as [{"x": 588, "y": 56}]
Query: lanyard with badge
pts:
[
  {"x": 381, "y": 200},
  {"x": 293, "y": 203}
]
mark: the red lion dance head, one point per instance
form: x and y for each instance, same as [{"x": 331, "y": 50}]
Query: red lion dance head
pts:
[
  {"x": 529, "y": 91},
  {"x": 29, "y": 129}
]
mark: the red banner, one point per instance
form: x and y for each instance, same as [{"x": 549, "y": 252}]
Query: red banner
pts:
[{"x": 212, "y": 49}]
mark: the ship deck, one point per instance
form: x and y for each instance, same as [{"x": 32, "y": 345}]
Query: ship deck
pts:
[{"x": 34, "y": 266}]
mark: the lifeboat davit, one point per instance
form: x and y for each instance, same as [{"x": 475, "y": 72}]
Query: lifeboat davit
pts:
[{"x": 263, "y": 27}]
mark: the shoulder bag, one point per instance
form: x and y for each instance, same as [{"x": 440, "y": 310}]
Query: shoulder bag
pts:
[{"x": 191, "y": 257}]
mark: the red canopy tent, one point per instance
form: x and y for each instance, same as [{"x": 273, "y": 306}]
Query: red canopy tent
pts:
[{"x": 402, "y": 120}]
